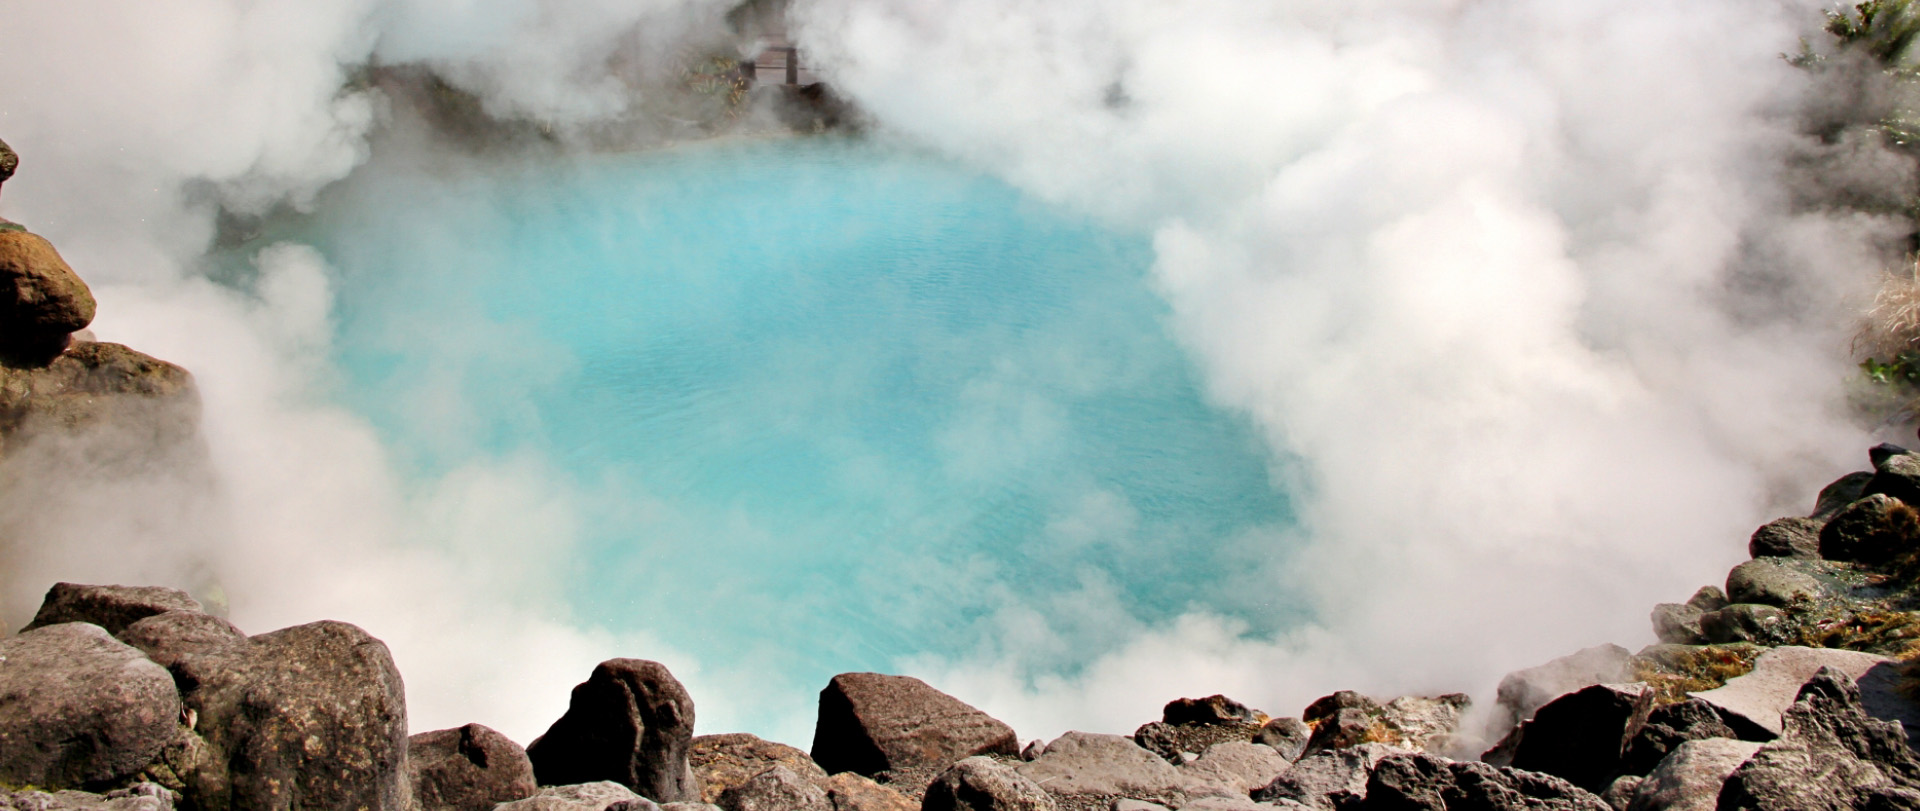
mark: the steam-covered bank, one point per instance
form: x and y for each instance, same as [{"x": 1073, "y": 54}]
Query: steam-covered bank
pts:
[{"x": 1525, "y": 303}]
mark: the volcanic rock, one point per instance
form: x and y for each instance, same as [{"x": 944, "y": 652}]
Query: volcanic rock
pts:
[
  {"x": 1214, "y": 709},
  {"x": 721, "y": 762},
  {"x": 1421, "y": 782},
  {"x": 1874, "y": 530},
  {"x": 600, "y": 795},
  {"x": 851, "y": 792},
  {"x": 469, "y": 768},
  {"x": 1330, "y": 705},
  {"x": 79, "y": 708},
  {"x": 1670, "y": 726},
  {"x": 1770, "y": 582},
  {"x": 1708, "y": 598},
  {"x": 1524, "y": 691},
  {"x": 1690, "y": 778},
  {"x": 1288, "y": 736},
  {"x": 776, "y": 789},
  {"x": 1347, "y": 727},
  {"x": 871, "y": 723},
  {"x": 312, "y": 716},
  {"x": 110, "y": 607},
  {"x": 42, "y": 300},
  {"x": 1760, "y": 697},
  {"x": 1238, "y": 765},
  {"x": 1896, "y": 472},
  {"x": 1786, "y": 538},
  {"x": 137, "y": 797},
  {"x": 167, "y": 636},
  {"x": 1084, "y": 764},
  {"x": 1583, "y": 735},
  {"x": 630, "y": 722},
  {"x": 1840, "y": 493},
  {"x": 1328, "y": 780},
  {"x": 1830, "y": 756},
  {"x": 150, "y": 404},
  {"x": 985, "y": 784},
  {"x": 1743, "y": 622},
  {"x": 1678, "y": 624}
]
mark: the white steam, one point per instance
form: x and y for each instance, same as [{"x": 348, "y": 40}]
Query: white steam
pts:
[{"x": 1519, "y": 283}]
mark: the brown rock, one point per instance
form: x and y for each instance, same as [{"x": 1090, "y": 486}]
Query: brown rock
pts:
[
  {"x": 472, "y": 768},
  {"x": 91, "y": 386},
  {"x": 41, "y": 298},
  {"x": 110, "y": 607},
  {"x": 851, "y": 792},
  {"x": 721, "y": 762},
  {"x": 78, "y": 708},
  {"x": 168, "y": 636},
  {"x": 871, "y": 723},
  {"x": 630, "y": 722}
]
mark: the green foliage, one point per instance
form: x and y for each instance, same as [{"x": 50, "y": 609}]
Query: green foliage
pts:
[
  {"x": 1902, "y": 371},
  {"x": 1883, "y": 29}
]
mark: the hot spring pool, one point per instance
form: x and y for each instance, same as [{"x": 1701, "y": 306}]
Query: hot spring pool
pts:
[{"x": 820, "y": 405}]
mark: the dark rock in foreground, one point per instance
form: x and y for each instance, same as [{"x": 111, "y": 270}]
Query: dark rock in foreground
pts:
[
  {"x": 1583, "y": 735},
  {"x": 1831, "y": 756},
  {"x": 312, "y": 716},
  {"x": 776, "y": 789},
  {"x": 110, "y": 607},
  {"x": 472, "y": 768},
  {"x": 42, "y": 300},
  {"x": 630, "y": 722},
  {"x": 1417, "y": 782},
  {"x": 872, "y": 723},
  {"x": 985, "y": 784},
  {"x": 78, "y": 708}
]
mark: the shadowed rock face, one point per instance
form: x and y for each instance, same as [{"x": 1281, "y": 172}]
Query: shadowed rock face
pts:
[
  {"x": 93, "y": 386},
  {"x": 1830, "y": 756},
  {"x": 78, "y": 708},
  {"x": 872, "y": 723},
  {"x": 1582, "y": 736},
  {"x": 630, "y": 722},
  {"x": 1417, "y": 782},
  {"x": 984, "y": 784},
  {"x": 42, "y": 300},
  {"x": 472, "y": 768}
]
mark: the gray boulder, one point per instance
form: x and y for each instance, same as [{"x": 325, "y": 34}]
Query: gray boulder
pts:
[
  {"x": 1328, "y": 780},
  {"x": 599, "y": 795},
  {"x": 776, "y": 789},
  {"x": 312, "y": 716},
  {"x": 1240, "y": 766},
  {"x": 1786, "y": 538},
  {"x": 126, "y": 404},
  {"x": 1744, "y": 622},
  {"x": 138, "y": 797},
  {"x": 110, "y": 607},
  {"x": 1670, "y": 726},
  {"x": 1678, "y": 624},
  {"x": 871, "y": 723},
  {"x": 630, "y": 722},
  {"x": 1767, "y": 581},
  {"x": 1830, "y": 757},
  {"x": 1896, "y": 472},
  {"x": 1288, "y": 736},
  {"x": 1081, "y": 765},
  {"x": 1582, "y": 736},
  {"x": 1524, "y": 691},
  {"x": 1421, "y": 782},
  {"x": 1690, "y": 778},
  {"x": 721, "y": 762},
  {"x": 985, "y": 784},
  {"x": 167, "y": 636},
  {"x": 78, "y": 708},
  {"x": 852, "y": 792},
  {"x": 1760, "y": 697},
  {"x": 469, "y": 768},
  {"x": 1873, "y": 530}
]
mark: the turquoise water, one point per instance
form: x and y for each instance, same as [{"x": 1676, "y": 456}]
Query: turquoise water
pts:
[{"x": 822, "y": 404}]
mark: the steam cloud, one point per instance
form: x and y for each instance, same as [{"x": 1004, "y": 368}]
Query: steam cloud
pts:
[{"x": 1523, "y": 286}]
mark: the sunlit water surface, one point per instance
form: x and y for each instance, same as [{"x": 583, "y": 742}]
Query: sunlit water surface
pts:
[{"x": 820, "y": 405}]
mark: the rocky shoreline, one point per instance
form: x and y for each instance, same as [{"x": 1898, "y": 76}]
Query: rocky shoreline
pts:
[{"x": 1789, "y": 688}]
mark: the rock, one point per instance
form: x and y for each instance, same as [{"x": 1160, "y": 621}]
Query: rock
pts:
[
  {"x": 1769, "y": 582},
  {"x": 1743, "y": 622},
  {"x": 42, "y": 300},
  {"x": 110, "y": 607},
  {"x": 1084, "y": 764},
  {"x": 472, "y": 767},
  {"x": 630, "y": 722},
  {"x": 851, "y": 792},
  {"x": 1407, "y": 782},
  {"x": 1886, "y": 692},
  {"x": 1760, "y": 697},
  {"x": 721, "y": 762},
  {"x": 138, "y": 797},
  {"x": 1670, "y": 726},
  {"x": 1225, "y": 804},
  {"x": 1288, "y": 736},
  {"x": 1896, "y": 472},
  {"x": 1874, "y": 530},
  {"x": 79, "y": 708},
  {"x": 149, "y": 403},
  {"x": 1691, "y": 777},
  {"x": 1524, "y": 691},
  {"x": 600, "y": 795},
  {"x": 1328, "y": 780},
  {"x": 1708, "y": 598},
  {"x": 312, "y": 716},
  {"x": 166, "y": 637},
  {"x": 1331, "y": 705},
  {"x": 985, "y": 784},
  {"x": 8, "y": 162},
  {"x": 682, "y": 806},
  {"x": 1830, "y": 755},
  {"x": 1678, "y": 624},
  {"x": 1238, "y": 765},
  {"x": 1583, "y": 735},
  {"x": 871, "y": 723},
  {"x": 1178, "y": 743},
  {"x": 1621, "y": 792},
  {"x": 1842, "y": 492},
  {"x": 1214, "y": 709},
  {"x": 776, "y": 789},
  {"x": 1348, "y": 727},
  {"x": 1786, "y": 538},
  {"x": 1137, "y": 805},
  {"x": 1419, "y": 722}
]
